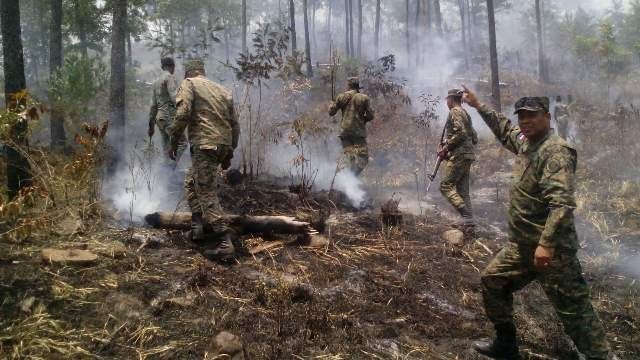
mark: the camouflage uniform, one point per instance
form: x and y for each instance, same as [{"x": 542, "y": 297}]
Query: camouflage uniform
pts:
[
  {"x": 561, "y": 115},
  {"x": 541, "y": 213},
  {"x": 206, "y": 110},
  {"x": 460, "y": 141},
  {"x": 356, "y": 113},
  {"x": 163, "y": 109}
]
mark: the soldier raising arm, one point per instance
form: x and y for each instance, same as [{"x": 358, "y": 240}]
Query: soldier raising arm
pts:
[{"x": 542, "y": 236}]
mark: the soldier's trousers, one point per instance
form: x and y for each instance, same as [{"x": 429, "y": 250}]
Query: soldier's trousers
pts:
[
  {"x": 166, "y": 144},
  {"x": 201, "y": 185},
  {"x": 512, "y": 269},
  {"x": 454, "y": 185},
  {"x": 356, "y": 153},
  {"x": 562, "y": 125}
]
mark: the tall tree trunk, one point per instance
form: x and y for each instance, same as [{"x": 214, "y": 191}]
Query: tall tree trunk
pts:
[
  {"x": 346, "y": 27},
  {"x": 408, "y": 33},
  {"x": 129, "y": 51},
  {"x": 541, "y": 60},
  {"x": 377, "y": 30},
  {"x": 469, "y": 26},
  {"x": 314, "y": 40},
  {"x": 244, "y": 26},
  {"x": 292, "y": 27},
  {"x": 55, "y": 62},
  {"x": 329, "y": 29},
  {"x": 352, "y": 48},
  {"x": 82, "y": 31},
  {"x": 307, "y": 39},
  {"x": 118, "y": 69},
  {"x": 359, "y": 28},
  {"x": 437, "y": 16},
  {"x": 18, "y": 169},
  {"x": 463, "y": 32},
  {"x": 429, "y": 17},
  {"x": 417, "y": 31},
  {"x": 493, "y": 52}
]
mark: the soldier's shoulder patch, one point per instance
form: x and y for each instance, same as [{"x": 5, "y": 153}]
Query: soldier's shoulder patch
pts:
[{"x": 559, "y": 161}]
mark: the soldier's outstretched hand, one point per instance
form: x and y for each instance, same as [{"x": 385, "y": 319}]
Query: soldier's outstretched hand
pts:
[{"x": 470, "y": 97}]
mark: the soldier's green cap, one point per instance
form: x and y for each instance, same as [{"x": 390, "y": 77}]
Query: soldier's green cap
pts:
[
  {"x": 194, "y": 64},
  {"x": 455, "y": 93},
  {"x": 532, "y": 103}
]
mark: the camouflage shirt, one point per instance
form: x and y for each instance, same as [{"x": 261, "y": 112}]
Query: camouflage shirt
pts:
[
  {"x": 542, "y": 194},
  {"x": 206, "y": 110},
  {"x": 460, "y": 135},
  {"x": 163, "y": 100},
  {"x": 356, "y": 113}
]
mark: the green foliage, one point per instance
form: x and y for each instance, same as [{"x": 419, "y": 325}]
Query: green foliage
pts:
[
  {"x": 87, "y": 22},
  {"x": 78, "y": 84},
  {"x": 269, "y": 55}
]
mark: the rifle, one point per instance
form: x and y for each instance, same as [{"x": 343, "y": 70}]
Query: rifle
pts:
[{"x": 439, "y": 160}]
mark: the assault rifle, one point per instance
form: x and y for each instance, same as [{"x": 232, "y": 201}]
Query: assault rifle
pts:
[{"x": 439, "y": 159}]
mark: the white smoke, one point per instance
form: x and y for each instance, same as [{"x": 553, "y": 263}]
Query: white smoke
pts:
[
  {"x": 143, "y": 185},
  {"x": 322, "y": 157}
]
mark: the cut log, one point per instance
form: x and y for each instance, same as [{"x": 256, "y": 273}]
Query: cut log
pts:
[{"x": 241, "y": 224}]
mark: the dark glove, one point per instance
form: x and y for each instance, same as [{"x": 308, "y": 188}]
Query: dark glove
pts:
[{"x": 443, "y": 153}]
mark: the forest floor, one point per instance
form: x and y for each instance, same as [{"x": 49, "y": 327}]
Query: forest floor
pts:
[{"x": 370, "y": 291}]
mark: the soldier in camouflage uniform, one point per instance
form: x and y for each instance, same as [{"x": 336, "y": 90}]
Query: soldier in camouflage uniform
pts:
[
  {"x": 561, "y": 115},
  {"x": 163, "y": 107},
  {"x": 206, "y": 110},
  {"x": 356, "y": 113},
  {"x": 458, "y": 149},
  {"x": 542, "y": 236}
]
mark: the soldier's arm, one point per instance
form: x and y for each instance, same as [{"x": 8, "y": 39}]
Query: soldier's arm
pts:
[
  {"x": 557, "y": 185},
  {"x": 457, "y": 133},
  {"x": 369, "y": 113},
  {"x": 336, "y": 105},
  {"x": 153, "y": 110},
  {"x": 184, "y": 101},
  {"x": 507, "y": 133}
]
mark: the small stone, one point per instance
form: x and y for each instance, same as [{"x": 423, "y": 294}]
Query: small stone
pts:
[
  {"x": 225, "y": 346},
  {"x": 453, "y": 237},
  {"x": 26, "y": 304},
  {"x": 68, "y": 256}
]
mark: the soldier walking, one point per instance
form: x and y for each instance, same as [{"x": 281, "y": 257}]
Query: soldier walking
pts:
[
  {"x": 561, "y": 115},
  {"x": 458, "y": 149},
  {"x": 356, "y": 113},
  {"x": 206, "y": 110},
  {"x": 542, "y": 235},
  {"x": 163, "y": 108}
]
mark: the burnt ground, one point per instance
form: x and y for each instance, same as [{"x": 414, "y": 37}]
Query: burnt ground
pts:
[{"x": 370, "y": 292}]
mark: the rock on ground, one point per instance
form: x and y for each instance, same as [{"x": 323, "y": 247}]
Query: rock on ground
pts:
[
  {"x": 225, "y": 346},
  {"x": 453, "y": 237},
  {"x": 68, "y": 256}
]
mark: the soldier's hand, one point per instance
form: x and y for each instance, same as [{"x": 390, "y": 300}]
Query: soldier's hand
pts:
[
  {"x": 543, "y": 257},
  {"x": 443, "y": 153},
  {"x": 470, "y": 97}
]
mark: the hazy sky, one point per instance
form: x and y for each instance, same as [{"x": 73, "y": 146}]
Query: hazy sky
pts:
[{"x": 588, "y": 4}]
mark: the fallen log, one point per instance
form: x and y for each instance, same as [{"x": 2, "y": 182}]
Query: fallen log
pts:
[{"x": 240, "y": 223}]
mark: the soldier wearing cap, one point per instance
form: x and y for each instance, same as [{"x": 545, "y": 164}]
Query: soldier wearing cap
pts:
[
  {"x": 356, "y": 113},
  {"x": 163, "y": 107},
  {"x": 561, "y": 115},
  {"x": 458, "y": 149},
  {"x": 206, "y": 110},
  {"x": 542, "y": 235}
]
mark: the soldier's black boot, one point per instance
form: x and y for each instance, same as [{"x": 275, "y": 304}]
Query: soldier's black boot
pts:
[
  {"x": 224, "y": 251},
  {"x": 504, "y": 346},
  {"x": 197, "y": 227},
  {"x": 468, "y": 226}
]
